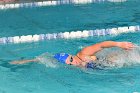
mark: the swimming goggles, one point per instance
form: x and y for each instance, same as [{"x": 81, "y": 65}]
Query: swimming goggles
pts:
[{"x": 71, "y": 60}]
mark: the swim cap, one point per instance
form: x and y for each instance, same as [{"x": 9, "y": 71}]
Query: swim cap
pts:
[{"x": 61, "y": 57}]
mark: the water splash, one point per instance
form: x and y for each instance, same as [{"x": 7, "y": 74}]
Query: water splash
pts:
[
  {"x": 48, "y": 60},
  {"x": 117, "y": 58}
]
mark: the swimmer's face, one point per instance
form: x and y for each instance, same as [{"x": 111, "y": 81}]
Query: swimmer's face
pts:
[{"x": 71, "y": 60}]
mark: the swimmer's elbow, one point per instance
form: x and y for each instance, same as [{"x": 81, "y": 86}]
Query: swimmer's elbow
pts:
[
  {"x": 108, "y": 44},
  {"x": 91, "y": 50}
]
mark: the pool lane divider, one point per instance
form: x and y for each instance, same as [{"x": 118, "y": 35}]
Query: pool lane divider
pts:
[
  {"x": 52, "y": 3},
  {"x": 69, "y": 35}
]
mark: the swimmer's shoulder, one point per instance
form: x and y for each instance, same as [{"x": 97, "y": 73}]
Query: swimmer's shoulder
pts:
[{"x": 85, "y": 57}]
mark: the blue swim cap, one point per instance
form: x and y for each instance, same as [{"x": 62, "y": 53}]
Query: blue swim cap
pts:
[{"x": 61, "y": 57}]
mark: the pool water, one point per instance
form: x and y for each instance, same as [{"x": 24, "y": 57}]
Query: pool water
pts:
[
  {"x": 64, "y": 18},
  {"x": 37, "y": 77}
]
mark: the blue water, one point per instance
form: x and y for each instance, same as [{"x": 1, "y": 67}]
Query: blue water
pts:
[
  {"x": 37, "y": 78},
  {"x": 63, "y": 18}
]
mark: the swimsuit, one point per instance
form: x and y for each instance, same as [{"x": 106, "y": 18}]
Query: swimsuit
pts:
[{"x": 91, "y": 65}]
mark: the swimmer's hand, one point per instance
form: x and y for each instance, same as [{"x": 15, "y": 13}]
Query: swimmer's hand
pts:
[
  {"x": 23, "y": 61},
  {"x": 126, "y": 45}
]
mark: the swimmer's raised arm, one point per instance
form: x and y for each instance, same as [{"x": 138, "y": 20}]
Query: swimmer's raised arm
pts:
[
  {"x": 91, "y": 50},
  {"x": 23, "y": 61}
]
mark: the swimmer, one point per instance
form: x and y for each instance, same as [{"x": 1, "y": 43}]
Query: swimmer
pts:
[{"x": 86, "y": 57}]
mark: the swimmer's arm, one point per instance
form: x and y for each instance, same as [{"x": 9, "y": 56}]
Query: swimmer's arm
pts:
[
  {"x": 24, "y": 61},
  {"x": 91, "y": 50}
]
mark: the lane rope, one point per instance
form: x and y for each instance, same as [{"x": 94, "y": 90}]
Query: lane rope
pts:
[
  {"x": 52, "y": 3},
  {"x": 69, "y": 35}
]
